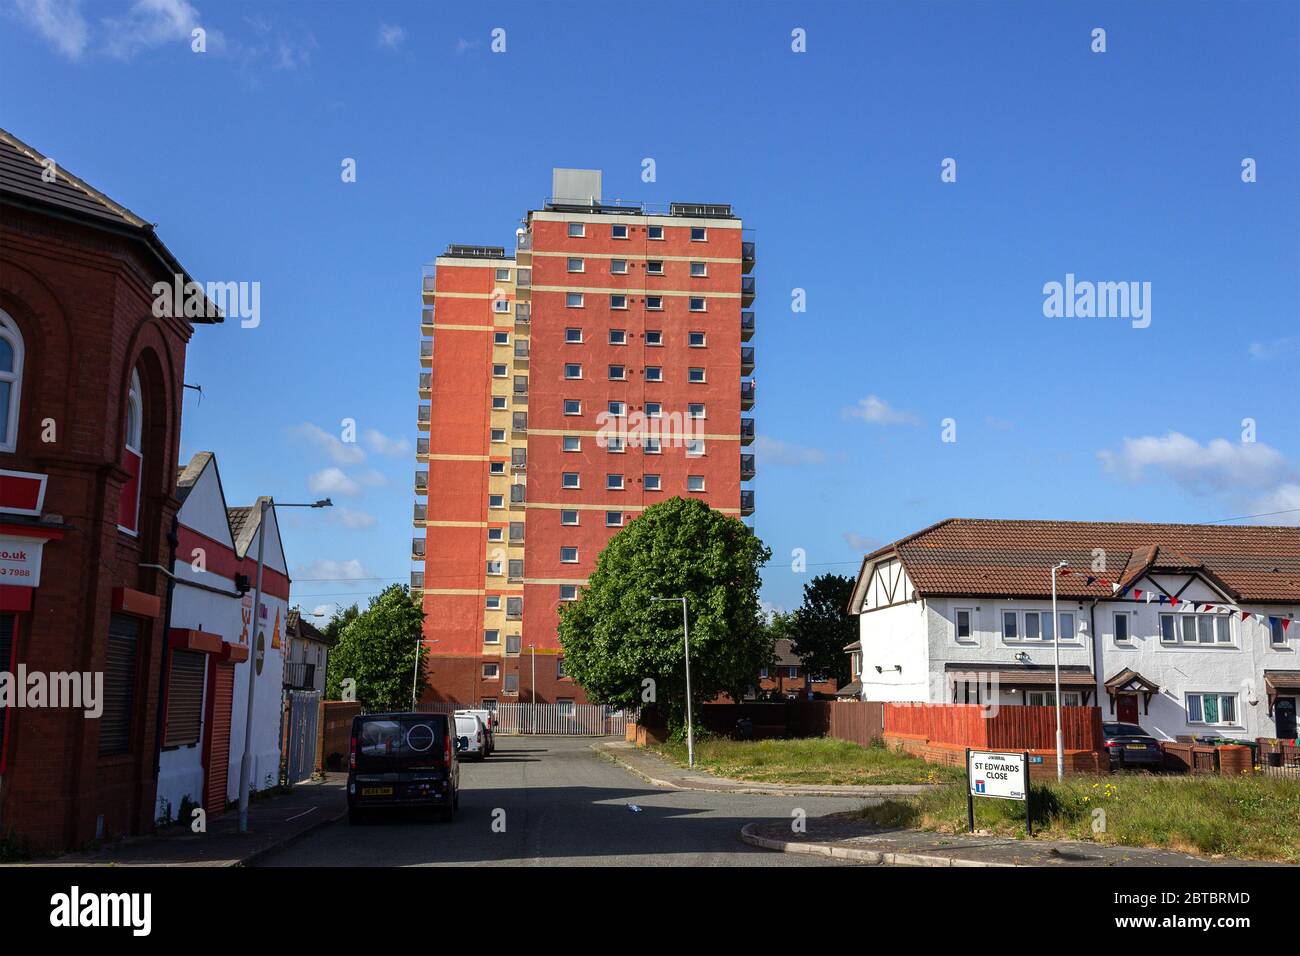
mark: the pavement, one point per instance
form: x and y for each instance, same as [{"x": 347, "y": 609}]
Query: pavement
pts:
[
  {"x": 274, "y": 822},
  {"x": 662, "y": 773},
  {"x": 843, "y": 838}
]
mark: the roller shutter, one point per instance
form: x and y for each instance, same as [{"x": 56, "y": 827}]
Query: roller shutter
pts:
[
  {"x": 185, "y": 699},
  {"x": 119, "y": 685}
]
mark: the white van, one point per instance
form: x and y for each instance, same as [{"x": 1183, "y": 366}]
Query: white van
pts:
[
  {"x": 471, "y": 728},
  {"x": 489, "y": 726}
]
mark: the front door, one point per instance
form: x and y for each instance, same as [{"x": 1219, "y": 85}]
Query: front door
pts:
[
  {"x": 1284, "y": 714},
  {"x": 1128, "y": 708}
]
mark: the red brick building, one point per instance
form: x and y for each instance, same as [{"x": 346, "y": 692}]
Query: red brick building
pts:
[
  {"x": 90, "y": 404},
  {"x": 597, "y": 371},
  {"x": 789, "y": 678}
]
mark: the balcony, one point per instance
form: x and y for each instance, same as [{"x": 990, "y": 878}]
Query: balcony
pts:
[
  {"x": 747, "y": 431},
  {"x": 421, "y": 482},
  {"x": 746, "y": 326},
  {"x": 417, "y": 581},
  {"x": 422, "y": 417},
  {"x": 429, "y": 284},
  {"x": 523, "y": 242},
  {"x": 747, "y": 360},
  {"x": 517, "y": 497},
  {"x": 521, "y": 388},
  {"x": 523, "y": 313},
  {"x": 421, "y": 446},
  {"x": 746, "y": 291},
  {"x": 426, "y": 352},
  {"x": 746, "y": 503},
  {"x": 417, "y": 549},
  {"x": 417, "y": 516},
  {"x": 523, "y": 278},
  {"x": 746, "y": 396},
  {"x": 299, "y": 675},
  {"x": 519, "y": 422},
  {"x": 426, "y": 320},
  {"x": 747, "y": 467},
  {"x": 746, "y": 257},
  {"x": 426, "y": 384},
  {"x": 521, "y": 350}
]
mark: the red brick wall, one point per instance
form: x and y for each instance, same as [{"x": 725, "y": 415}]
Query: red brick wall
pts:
[
  {"x": 458, "y": 679},
  {"x": 82, "y": 299}
]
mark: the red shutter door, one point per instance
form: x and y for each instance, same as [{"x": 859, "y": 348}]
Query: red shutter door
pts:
[{"x": 216, "y": 743}]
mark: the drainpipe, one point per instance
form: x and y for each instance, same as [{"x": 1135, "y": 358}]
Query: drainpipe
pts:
[
  {"x": 1096, "y": 655},
  {"x": 173, "y": 541}
]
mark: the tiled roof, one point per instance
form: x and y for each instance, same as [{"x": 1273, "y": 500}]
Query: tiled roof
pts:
[
  {"x": 297, "y": 627},
  {"x": 785, "y": 657},
  {"x": 189, "y": 474},
  {"x": 992, "y": 557}
]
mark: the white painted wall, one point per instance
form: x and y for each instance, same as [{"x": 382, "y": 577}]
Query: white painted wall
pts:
[{"x": 893, "y": 636}]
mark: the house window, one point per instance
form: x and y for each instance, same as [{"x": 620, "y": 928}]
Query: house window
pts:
[
  {"x": 503, "y": 275},
  {"x": 1121, "y": 627},
  {"x": 694, "y": 482},
  {"x": 501, "y": 338},
  {"x": 791, "y": 672},
  {"x": 614, "y": 444},
  {"x": 699, "y": 270},
  {"x": 695, "y": 410},
  {"x": 514, "y": 643},
  {"x": 1212, "y": 709},
  {"x": 654, "y": 410},
  {"x": 565, "y": 706},
  {"x": 1009, "y": 631},
  {"x": 498, "y": 403},
  {"x": 491, "y": 671},
  {"x": 654, "y": 232},
  {"x": 613, "y": 519},
  {"x": 654, "y": 338},
  {"x": 696, "y": 303},
  {"x": 654, "y": 303},
  {"x": 560, "y": 672},
  {"x": 695, "y": 448},
  {"x": 572, "y": 406},
  {"x": 492, "y": 637},
  {"x": 573, "y": 370},
  {"x": 516, "y": 532},
  {"x": 568, "y": 555},
  {"x": 499, "y": 370},
  {"x": 568, "y": 516},
  {"x": 618, "y": 267},
  {"x": 119, "y": 685},
  {"x": 652, "y": 483},
  {"x": 613, "y": 482},
  {"x": 496, "y": 468},
  {"x": 494, "y": 568},
  {"x": 1167, "y": 634},
  {"x": 577, "y": 230},
  {"x": 488, "y": 703},
  {"x": 573, "y": 336},
  {"x": 576, "y": 265},
  {"x": 618, "y": 230},
  {"x": 492, "y": 602},
  {"x": 1276, "y": 633},
  {"x": 514, "y": 607},
  {"x": 185, "y": 698},
  {"x": 11, "y": 380},
  {"x": 698, "y": 234},
  {"x": 654, "y": 373},
  {"x": 568, "y": 592},
  {"x": 964, "y": 629},
  {"x": 1047, "y": 698},
  {"x": 618, "y": 302},
  {"x": 1196, "y": 629},
  {"x": 696, "y": 376},
  {"x": 617, "y": 373},
  {"x": 570, "y": 479},
  {"x": 652, "y": 446},
  {"x": 132, "y": 459},
  {"x": 498, "y": 434},
  {"x": 695, "y": 340},
  {"x": 500, "y": 305},
  {"x": 616, "y": 409},
  {"x": 510, "y": 686},
  {"x": 573, "y": 300},
  {"x": 496, "y": 501},
  {"x": 762, "y": 672},
  {"x": 572, "y": 443},
  {"x": 654, "y": 267},
  {"x": 618, "y": 337},
  {"x": 495, "y": 534}
]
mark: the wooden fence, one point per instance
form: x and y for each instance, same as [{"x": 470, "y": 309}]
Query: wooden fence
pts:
[
  {"x": 857, "y": 721},
  {"x": 1007, "y": 728}
]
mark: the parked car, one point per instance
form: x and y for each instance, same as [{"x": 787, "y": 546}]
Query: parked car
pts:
[
  {"x": 470, "y": 728},
  {"x": 403, "y": 761},
  {"x": 1130, "y": 746},
  {"x": 489, "y": 725}
]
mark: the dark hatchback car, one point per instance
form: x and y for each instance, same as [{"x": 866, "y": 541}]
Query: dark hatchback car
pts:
[
  {"x": 1130, "y": 746},
  {"x": 403, "y": 761}
]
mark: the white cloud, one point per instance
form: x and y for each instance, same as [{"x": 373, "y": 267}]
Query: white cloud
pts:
[
  {"x": 391, "y": 35},
  {"x": 148, "y": 24},
  {"x": 325, "y": 569},
  {"x": 773, "y": 451},
  {"x": 1277, "y": 348},
  {"x": 326, "y": 611},
  {"x": 332, "y": 481},
  {"x": 877, "y": 411},
  {"x": 1279, "y": 506},
  {"x": 59, "y": 21},
  {"x": 1218, "y": 466},
  {"x": 381, "y": 444},
  {"x": 463, "y": 45},
  {"x": 340, "y": 453},
  {"x": 861, "y": 542},
  {"x": 352, "y": 517}
]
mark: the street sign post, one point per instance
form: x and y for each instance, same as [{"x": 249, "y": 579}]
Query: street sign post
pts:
[{"x": 1002, "y": 776}]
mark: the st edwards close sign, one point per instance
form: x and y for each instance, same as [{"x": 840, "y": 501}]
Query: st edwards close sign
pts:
[{"x": 1003, "y": 776}]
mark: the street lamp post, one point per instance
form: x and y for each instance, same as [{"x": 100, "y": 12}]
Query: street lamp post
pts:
[
  {"x": 686, "y": 641},
  {"x": 1056, "y": 645},
  {"x": 246, "y": 763},
  {"x": 415, "y": 672}
]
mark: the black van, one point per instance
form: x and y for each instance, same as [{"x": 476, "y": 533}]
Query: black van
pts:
[{"x": 405, "y": 760}]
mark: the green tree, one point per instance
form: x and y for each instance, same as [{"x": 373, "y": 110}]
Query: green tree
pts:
[
  {"x": 822, "y": 626},
  {"x": 615, "y": 639},
  {"x": 377, "y": 648}
]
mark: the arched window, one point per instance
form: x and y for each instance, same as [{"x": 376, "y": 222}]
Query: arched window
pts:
[
  {"x": 132, "y": 458},
  {"x": 11, "y": 381}
]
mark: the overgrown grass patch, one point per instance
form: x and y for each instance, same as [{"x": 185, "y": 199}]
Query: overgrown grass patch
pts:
[
  {"x": 819, "y": 760},
  {"x": 1250, "y": 817}
]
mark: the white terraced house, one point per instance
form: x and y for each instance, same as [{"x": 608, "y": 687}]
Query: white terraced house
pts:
[{"x": 1183, "y": 629}]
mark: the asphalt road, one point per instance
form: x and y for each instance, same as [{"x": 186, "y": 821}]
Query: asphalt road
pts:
[{"x": 564, "y": 805}]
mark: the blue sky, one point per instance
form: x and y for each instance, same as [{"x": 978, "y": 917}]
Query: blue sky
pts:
[{"x": 924, "y": 298}]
